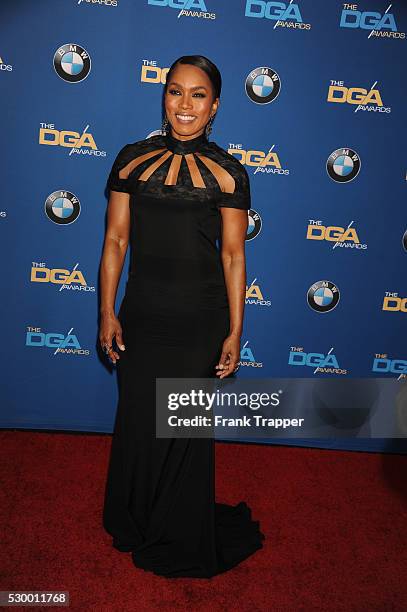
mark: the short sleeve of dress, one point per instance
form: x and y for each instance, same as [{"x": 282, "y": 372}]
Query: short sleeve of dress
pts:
[
  {"x": 240, "y": 198},
  {"x": 114, "y": 182}
]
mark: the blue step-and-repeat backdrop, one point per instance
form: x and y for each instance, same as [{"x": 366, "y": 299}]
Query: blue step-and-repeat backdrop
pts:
[{"x": 313, "y": 105}]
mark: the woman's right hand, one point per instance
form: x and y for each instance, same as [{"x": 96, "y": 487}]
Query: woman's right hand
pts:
[{"x": 110, "y": 328}]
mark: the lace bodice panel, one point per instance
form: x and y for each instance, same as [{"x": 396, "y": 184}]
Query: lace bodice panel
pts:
[{"x": 197, "y": 169}]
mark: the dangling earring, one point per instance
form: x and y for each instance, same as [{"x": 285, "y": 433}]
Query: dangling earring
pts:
[
  {"x": 208, "y": 128},
  {"x": 164, "y": 125}
]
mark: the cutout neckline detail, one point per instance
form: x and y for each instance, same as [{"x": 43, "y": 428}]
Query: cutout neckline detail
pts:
[
  {"x": 175, "y": 151},
  {"x": 185, "y": 146}
]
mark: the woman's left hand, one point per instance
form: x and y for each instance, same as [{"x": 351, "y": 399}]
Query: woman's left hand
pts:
[{"x": 230, "y": 357}]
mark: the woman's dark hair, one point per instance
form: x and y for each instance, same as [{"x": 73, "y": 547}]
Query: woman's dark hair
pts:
[{"x": 202, "y": 62}]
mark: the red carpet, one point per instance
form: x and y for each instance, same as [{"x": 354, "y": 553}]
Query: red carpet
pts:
[{"x": 335, "y": 526}]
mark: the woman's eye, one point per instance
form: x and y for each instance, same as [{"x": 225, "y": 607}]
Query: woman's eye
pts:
[{"x": 175, "y": 92}]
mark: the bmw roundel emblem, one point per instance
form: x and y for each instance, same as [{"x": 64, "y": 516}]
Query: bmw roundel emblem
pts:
[
  {"x": 254, "y": 226},
  {"x": 343, "y": 165},
  {"x": 62, "y": 207},
  {"x": 323, "y": 296},
  {"x": 72, "y": 63},
  {"x": 263, "y": 85},
  {"x": 404, "y": 242}
]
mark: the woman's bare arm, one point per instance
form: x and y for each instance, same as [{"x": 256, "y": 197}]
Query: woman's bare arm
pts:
[
  {"x": 114, "y": 253},
  {"x": 234, "y": 223},
  {"x": 234, "y": 229},
  {"x": 115, "y": 248}
]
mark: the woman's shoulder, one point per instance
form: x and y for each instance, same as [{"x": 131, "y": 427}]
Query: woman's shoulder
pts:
[
  {"x": 134, "y": 149},
  {"x": 118, "y": 177},
  {"x": 237, "y": 195},
  {"x": 227, "y": 160}
]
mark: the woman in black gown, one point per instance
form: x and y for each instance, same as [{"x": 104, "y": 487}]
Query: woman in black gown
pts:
[{"x": 172, "y": 196}]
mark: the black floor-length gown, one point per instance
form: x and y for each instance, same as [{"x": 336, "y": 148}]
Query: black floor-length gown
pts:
[{"x": 160, "y": 492}]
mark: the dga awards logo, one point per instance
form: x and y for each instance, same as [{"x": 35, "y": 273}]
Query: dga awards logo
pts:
[
  {"x": 5, "y": 67},
  {"x": 78, "y": 143},
  {"x": 379, "y": 25},
  {"x": 65, "y": 344},
  {"x": 343, "y": 165},
  {"x": 262, "y": 85},
  {"x": 70, "y": 280},
  {"x": 254, "y": 225},
  {"x": 152, "y": 73},
  {"x": 266, "y": 162},
  {"x": 383, "y": 364},
  {"x": 342, "y": 237},
  {"x": 186, "y": 8},
  {"x": 392, "y": 302},
  {"x": 247, "y": 357},
  {"x": 323, "y": 296},
  {"x": 284, "y": 14},
  {"x": 72, "y": 63},
  {"x": 319, "y": 362},
  {"x": 62, "y": 207},
  {"x": 255, "y": 296},
  {"x": 368, "y": 100}
]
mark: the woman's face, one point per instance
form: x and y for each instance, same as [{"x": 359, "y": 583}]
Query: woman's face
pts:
[{"x": 189, "y": 101}]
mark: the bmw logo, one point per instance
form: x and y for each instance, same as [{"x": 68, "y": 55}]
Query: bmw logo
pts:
[
  {"x": 405, "y": 240},
  {"x": 323, "y": 296},
  {"x": 255, "y": 223},
  {"x": 62, "y": 207},
  {"x": 343, "y": 165},
  {"x": 72, "y": 63},
  {"x": 263, "y": 85}
]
